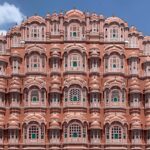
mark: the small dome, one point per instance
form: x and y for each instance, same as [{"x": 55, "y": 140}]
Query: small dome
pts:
[
  {"x": 55, "y": 116},
  {"x": 15, "y": 54},
  {"x": 95, "y": 125},
  {"x": 136, "y": 125},
  {"x": 55, "y": 53},
  {"x": 114, "y": 19},
  {"x": 55, "y": 125},
  {"x": 94, "y": 87},
  {"x": 15, "y": 85},
  {"x": 56, "y": 80},
  {"x": 13, "y": 122},
  {"x": 134, "y": 86},
  {"x": 133, "y": 55},
  {"x": 136, "y": 122},
  {"x": 94, "y": 84}
]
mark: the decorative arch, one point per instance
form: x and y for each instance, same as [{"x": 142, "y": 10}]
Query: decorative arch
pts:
[
  {"x": 34, "y": 19},
  {"x": 114, "y": 49},
  {"x": 37, "y": 118},
  {"x": 77, "y": 47},
  {"x": 35, "y": 81},
  {"x": 115, "y": 82},
  {"x": 35, "y": 48},
  {"x": 74, "y": 15},
  {"x": 111, "y": 118},
  {"x": 75, "y": 81}
]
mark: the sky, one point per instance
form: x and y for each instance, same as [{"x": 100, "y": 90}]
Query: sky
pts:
[{"x": 135, "y": 12}]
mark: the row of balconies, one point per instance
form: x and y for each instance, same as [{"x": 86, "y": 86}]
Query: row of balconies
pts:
[
  {"x": 79, "y": 105},
  {"x": 75, "y": 140},
  {"x": 79, "y": 71}
]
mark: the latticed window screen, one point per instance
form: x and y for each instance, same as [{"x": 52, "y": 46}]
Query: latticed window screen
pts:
[
  {"x": 35, "y": 61},
  {"x": 34, "y": 95},
  {"x": 114, "y": 33},
  {"x": 75, "y": 130},
  {"x": 75, "y": 94},
  {"x": 75, "y": 30},
  {"x": 35, "y": 32},
  {"x": 115, "y": 96},
  {"x": 116, "y": 132},
  {"x": 114, "y": 62},
  {"x": 75, "y": 60},
  {"x": 33, "y": 132}
]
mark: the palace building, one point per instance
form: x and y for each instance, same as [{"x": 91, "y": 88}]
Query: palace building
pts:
[{"x": 74, "y": 81}]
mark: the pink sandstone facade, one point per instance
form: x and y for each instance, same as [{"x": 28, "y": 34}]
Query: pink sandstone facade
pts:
[{"x": 74, "y": 81}]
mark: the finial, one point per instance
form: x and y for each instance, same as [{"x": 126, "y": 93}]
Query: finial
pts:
[
  {"x": 113, "y": 15},
  {"x": 74, "y": 7}
]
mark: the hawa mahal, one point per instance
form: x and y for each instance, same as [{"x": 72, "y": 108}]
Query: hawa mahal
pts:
[{"x": 74, "y": 81}]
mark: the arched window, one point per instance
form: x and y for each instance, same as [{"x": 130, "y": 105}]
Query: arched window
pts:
[
  {"x": 34, "y": 95},
  {"x": 75, "y": 94},
  {"x": 115, "y": 97},
  {"x": 75, "y": 31},
  {"x": 75, "y": 60},
  {"x": 116, "y": 132},
  {"x": 34, "y": 132},
  {"x": 35, "y": 32},
  {"x": 114, "y": 63},
  {"x": 114, "y": 34},
  {"x": 95, "y": 27},
  {"x": 75, "y": 130},
  {"x": 55, "y": 28},
  {"x": 35, "y": 62}
]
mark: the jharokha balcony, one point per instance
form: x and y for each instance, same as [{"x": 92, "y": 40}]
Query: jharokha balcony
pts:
[
  {"x": 115, "y": 105},
  {"x": 75, "y": 140},
  {"x": 116, "y": 141},
  {"x": 74, "y": 70},
  {"x": 75, "y": 104}
]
